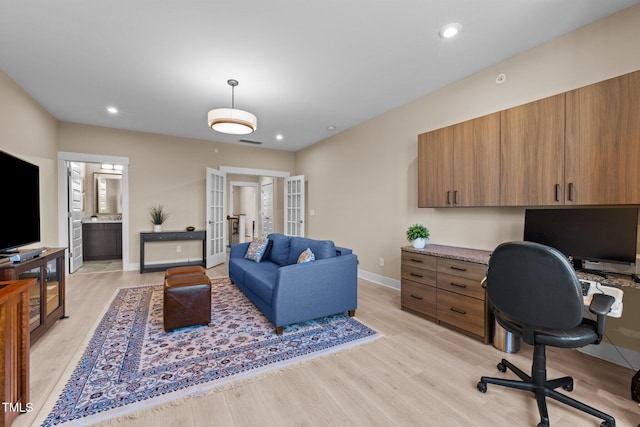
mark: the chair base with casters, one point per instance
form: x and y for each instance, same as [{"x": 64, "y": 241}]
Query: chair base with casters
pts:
[{"x": 538, "y": 384}]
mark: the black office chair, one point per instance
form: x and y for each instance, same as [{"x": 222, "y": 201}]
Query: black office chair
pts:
[{"x": 536, "y": 295}]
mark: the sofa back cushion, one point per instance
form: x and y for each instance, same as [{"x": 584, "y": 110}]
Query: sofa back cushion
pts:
[
  {"x": 321, "y": 248},
  {"x": 280, "y": 246}
]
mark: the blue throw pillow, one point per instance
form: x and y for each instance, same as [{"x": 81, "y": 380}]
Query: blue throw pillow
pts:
[{"x": 256, "y": 249}]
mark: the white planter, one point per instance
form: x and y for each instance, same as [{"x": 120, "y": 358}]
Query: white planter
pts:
[
  {"x": 157, "y": 228},
  {"x": 420, "y": 243}
]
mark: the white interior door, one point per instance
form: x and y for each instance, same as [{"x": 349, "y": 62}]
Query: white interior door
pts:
[
  {"x": 75, "y": 216},
  {"x": 216, "y": 217},
  {"x": 266, "y": 208},
  {"x": 294, "y": 206}
]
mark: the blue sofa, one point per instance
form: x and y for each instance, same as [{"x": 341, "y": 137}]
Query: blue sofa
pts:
[{"x": 287, "y": 292}]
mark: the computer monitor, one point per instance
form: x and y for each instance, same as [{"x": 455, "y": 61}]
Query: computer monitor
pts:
[{"x": 586, "y": 234}]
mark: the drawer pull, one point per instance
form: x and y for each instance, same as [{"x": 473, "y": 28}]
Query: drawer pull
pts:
[
  {"x": 458, "y": 285},
  {"x": 417, "y": 297},
  {"x": 416, "y": 275},
  {"x": 457, "y": 310},
  {"x": 453, "y": 267},
  {"x": 417, "y": 260}
]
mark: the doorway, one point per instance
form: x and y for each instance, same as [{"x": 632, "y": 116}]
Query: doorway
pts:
[
  {"x": 243, "y": 208},
  {"x": 93, "y": 201}
]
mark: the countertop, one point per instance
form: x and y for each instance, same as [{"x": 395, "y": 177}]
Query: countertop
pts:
[{"x": 480, "y": 256}]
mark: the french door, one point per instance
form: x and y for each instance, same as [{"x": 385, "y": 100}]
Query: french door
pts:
[
  {"x": 216, "y": 217},
  {"x": 75, "y": 216},
  {"x": 266, "y": 208},
  {"x": 294, "y": 206}
]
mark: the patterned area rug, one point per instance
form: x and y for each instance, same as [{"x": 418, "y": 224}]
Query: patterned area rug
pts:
[{"x": 131, "y": 363}]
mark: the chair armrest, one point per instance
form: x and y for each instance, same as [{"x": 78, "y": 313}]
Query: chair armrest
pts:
[{"x": 601, "y": 304}]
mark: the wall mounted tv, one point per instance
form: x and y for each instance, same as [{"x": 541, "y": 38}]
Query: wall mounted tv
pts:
[
  {"x": 20, "y": 213},
  {"x": 586, "y": 234}
]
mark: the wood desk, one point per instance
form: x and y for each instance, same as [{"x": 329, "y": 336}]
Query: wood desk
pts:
[{"x": 14, "y": 339}]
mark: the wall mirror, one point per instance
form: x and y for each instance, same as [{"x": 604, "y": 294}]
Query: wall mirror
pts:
[{"x": 108, "y": 193}]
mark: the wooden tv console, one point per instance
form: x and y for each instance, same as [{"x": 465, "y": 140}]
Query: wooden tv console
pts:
[{"x": 47, "y": 294}]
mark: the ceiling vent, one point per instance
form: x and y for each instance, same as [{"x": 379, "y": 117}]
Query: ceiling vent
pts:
[{"x": 248, "y": 141}]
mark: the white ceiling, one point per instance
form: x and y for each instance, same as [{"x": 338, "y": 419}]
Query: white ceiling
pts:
[{"x": 302, "y": 65}]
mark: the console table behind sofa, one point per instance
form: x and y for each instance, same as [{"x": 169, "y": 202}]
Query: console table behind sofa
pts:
[{"x": 172, "y": 236}]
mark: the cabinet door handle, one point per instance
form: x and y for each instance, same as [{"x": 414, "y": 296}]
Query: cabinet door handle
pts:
[
  {"x": 416, "y": 274},
  {"x": 557, "y": 192},
  {"x": 416, "y": 297},
  {"x": 458, "y": 285},
  {"x": 457, "y": 268},
  {"x": 570, "y": 191},
  {"x": 455, "y": 197},
  {"x": 457, "y": 310},
  {"x": 448, "y": 197},
  {"x": 417, "y": 260}
]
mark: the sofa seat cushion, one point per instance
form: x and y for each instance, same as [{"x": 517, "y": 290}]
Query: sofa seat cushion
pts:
[
  {"x": 321, "y": 249},
  {"x": 261, "y": 279}
]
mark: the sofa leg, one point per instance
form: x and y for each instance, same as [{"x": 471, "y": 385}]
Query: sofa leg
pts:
[
  {"x": 279, "y": 330},
  {"x": 352, "y": 313}
]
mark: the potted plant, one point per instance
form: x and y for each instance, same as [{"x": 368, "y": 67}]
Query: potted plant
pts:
[
  {"x": 418, "y": 235},
  {"x": 158, "y": 216}
]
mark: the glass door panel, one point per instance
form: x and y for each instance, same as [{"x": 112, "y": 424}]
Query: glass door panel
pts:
[{"x": 52, "y": 286}]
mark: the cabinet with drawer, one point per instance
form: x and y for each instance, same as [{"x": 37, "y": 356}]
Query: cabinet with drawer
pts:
[
  {"x": 418, "y": 284},
  {"x": 461, "y": 298},
  {"x": 446, "y": 290}
]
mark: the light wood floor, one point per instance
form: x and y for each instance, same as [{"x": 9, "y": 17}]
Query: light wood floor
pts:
[{"x": 417, "y": 374}]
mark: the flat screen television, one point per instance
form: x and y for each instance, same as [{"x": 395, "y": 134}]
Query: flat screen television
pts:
[
  {"x": 586, "y": 234},
  {"x": 20, "y": 212}
]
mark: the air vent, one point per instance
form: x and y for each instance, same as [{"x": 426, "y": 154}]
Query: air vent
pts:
[{"x": 248, "y": 141}]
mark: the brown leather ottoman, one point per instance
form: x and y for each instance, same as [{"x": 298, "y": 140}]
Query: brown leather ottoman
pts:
[
  {"x": 187, "y": 301},
  {"x": 187, "y": 269}
]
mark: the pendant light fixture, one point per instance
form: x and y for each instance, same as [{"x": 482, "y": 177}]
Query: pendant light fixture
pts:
[{"x": 230, "y": 120}]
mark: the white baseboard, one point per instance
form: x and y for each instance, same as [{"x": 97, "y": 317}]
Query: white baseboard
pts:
[{"x": 379, "y": 280}]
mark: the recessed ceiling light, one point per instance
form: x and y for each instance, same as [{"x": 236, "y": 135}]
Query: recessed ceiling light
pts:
[
  {"x": 331, "y": 128},
  {"x": 279, "y": 137},
  {"x": 112, "y": 110},
  {"x": 449, "y": 30}
]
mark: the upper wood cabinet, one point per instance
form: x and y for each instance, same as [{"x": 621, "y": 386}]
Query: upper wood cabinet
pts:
[
  {"x": 577, "y": 148},
  {"x": 435, "y": 168},
  {"x": 603, "y": 142},
  {"x": 532, "y": 153},
  {"x": 459, "y": 165}
]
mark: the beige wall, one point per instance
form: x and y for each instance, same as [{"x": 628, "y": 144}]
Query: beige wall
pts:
[
  {"x": 170, "y": 171},
  {"x": 29, "y": 132}
]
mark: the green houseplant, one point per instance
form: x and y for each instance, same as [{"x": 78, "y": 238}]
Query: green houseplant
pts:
[
  {"x": 158, "y": 216},
  {"x": 418, "y": 235}
]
